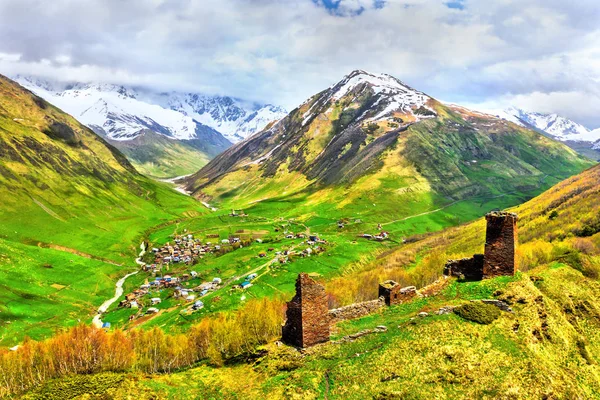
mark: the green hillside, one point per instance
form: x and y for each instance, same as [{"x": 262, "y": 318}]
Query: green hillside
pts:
[
  {"x": 326, "y": 170},
  {"x": 547, "y": 347},
  {"x": 74, "y": 212},
  {"x": 373, "y": 148},
  {"x": 158, "y": 156}
]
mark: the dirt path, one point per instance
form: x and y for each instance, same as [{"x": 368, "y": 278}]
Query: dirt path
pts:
[
  {"x": 420, "y": 215},
  {"x": 76, "y": 252},
  {"x": 47, "y": 210}
]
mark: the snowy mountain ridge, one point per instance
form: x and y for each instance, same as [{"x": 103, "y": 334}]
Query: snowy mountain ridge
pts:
[
  {"x": 553, "y": 124},
  {"x": 233, "y": 118},
  {"x": 121, "y": 112}
]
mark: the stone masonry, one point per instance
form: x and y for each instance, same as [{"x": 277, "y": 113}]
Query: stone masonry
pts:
[
  {"x": 467, "y": 268},
  {"x": 499, "y": 258},
  {"x": 500, "y": 244},
  {"x": 355, "y": 310},
  {"x": 307, "y": 320},
  {"x": 393, "y": 293}
]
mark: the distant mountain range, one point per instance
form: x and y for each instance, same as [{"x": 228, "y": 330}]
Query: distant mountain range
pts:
[
  {"x": 372, "y": 140},
  {"x": 199, "y": 126},
  {"x": 563, "y": 129}
]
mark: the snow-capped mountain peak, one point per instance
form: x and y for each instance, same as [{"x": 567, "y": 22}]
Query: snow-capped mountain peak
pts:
[
  {"x": 553, "y": 123},
  {"x": 234, "y": 118},
  {"x": 391, "y": 96},
  {"x": 380, "y": 83}
]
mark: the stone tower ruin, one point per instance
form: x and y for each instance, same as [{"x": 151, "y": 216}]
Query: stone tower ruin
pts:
[
  {"x": 499, "y": 258},
  {"x": 307, "y": 314},
  {"x": 500, "y": 244}
]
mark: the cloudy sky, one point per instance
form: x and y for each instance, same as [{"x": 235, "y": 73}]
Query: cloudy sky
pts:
[{"x": 543, "y": 55}]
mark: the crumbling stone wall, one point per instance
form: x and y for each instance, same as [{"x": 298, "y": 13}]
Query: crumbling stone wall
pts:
[
  {"x": 307, "y": 315},
  {"x": 500, "y": 244},
  {"x": 355, "y": 310},
  {"x": 393, "y": 293},
  {"x": 468, "y": 268}
]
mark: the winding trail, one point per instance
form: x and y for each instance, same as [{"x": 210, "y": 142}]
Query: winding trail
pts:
[{"x": 97, "y": 321}]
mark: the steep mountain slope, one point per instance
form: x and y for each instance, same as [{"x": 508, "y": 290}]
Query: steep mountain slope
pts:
[
  {"x": 372, "y": 143},
  {"x": 123, "y": 114},
  {"x": 74, "y": 211},
  {"x": 158, "y": 156}
]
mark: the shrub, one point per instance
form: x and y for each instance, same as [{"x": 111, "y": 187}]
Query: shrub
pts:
[
  {"x": 478, "y": 312},
  {"x": 566, "y": 254},
  {"x": 591, "y": 268},
  {"x": 371, "y": 128},
  {"x": 534, "y": 254},
  {"x": 584, "y": 246}
]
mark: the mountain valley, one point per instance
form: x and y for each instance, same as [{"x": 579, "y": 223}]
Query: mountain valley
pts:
[{"x": 367, "y": 180}]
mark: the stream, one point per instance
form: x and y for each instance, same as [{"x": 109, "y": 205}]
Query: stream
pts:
[{"x": 97, "y": 321}]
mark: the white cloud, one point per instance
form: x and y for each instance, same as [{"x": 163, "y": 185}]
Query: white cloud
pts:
[{"x": 283, "y": 51}]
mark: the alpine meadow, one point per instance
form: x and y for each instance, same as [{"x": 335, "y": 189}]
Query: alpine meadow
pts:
[{"x": 169, "y": 231}]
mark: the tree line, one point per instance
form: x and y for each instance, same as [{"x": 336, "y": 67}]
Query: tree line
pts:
[{"x": 85, "y": 349}]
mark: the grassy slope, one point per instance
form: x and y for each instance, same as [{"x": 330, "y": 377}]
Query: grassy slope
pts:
[
  {"x": 63, "y": 195},
  {"x": 158, "y": 156},
  {"x": 438, "y": 356},
  {"x": 547, "y": 348}
]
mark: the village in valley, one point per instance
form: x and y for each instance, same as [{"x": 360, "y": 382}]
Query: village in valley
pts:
[{"x": 175, "y": 272}]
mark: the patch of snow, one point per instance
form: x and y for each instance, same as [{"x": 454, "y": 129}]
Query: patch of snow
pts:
[
  {"x": 205, "y": 204},
  {"x": 265, "y": 157}
]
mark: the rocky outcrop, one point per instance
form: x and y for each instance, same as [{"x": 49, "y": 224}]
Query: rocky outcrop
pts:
[{"x": 502, "y": 305}]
